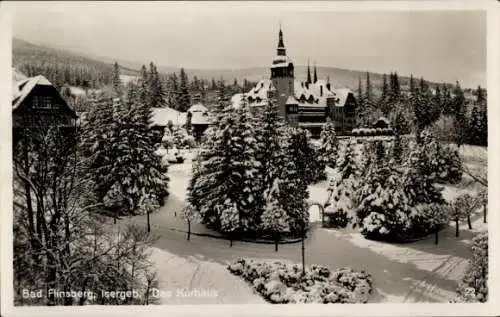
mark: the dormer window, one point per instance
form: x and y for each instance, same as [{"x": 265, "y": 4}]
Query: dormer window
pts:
[
  {"x": 302, "y": 98},
  {"x": 311, "y": 99}
]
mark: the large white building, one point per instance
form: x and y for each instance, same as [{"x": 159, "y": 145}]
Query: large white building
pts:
[{"x": 304, "y": 104}]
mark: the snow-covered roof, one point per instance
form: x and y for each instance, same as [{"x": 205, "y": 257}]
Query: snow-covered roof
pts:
[
  {"x": 342, "y": 95},
  {"x": 21, "y": 89},
  {"x": 281, "y": 61},
  {"x": 199, "y": 118},
  {"x": 17, "y": 75},
  {"x": 197, "y": 108},
  {"x": 237, "y": 100},
  {"x": 161, "y": 117},
  {"x": 291, "y": 101}
]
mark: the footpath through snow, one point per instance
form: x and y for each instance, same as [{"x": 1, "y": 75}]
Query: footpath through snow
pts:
[
  {"x": 414, "y": 272},
  {"x": 191, "y": 281}
]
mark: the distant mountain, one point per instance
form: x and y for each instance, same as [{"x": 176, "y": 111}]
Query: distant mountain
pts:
[
  {"x": 340, "y": 78},
  {"x": 23, "y": 51}
]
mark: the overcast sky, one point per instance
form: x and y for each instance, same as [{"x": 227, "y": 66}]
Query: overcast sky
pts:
[{"x": 439, "y": 45}]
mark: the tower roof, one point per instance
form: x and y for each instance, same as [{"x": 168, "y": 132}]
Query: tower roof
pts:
[{"x": 281, "y": 46}]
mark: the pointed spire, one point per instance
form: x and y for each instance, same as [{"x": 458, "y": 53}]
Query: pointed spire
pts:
[
  {"x": 308, "y": 72},
  {"x": 315, "y": 73},
  {"x": 281, "y": 45}
]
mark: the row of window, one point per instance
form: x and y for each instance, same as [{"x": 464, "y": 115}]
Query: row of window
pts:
[{"x": 43, "y": 102}]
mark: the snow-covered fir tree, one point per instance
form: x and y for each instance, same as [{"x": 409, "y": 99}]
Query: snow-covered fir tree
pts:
[
  {"x": 341, "y": 202},
  {"x": 329, "y": 147},
  {"x": 348, "y": 161},
  {"x": 270, "y": 135},
  {"x": 294, "y": 183},
  {"x": 99, "y": 135},
  {"x": 228, "y": 174},
  {"x": 274, "y": 218},
  {"x": 183, "y": 98},
  {"x": 156, "y": 89},
  {"x": 305, "y": 156},
  {"x": 244, "y": 168},
  {"x": 120, "y": 144}
]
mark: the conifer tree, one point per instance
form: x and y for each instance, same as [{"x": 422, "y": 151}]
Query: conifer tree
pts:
[
  {"x": 360, "y": 94},
  {"x": 340, "y": 206},
  {"x": 224, "y": 189},
  {"x": 385, "y": 88},
  {"x": 172, "y": 91},
  {"x": 480, "y": 97},
  {"x": 274, "y": 218},
  {"x": 270, "y": 137},
  {"x": 459, "y": 114},
  {"x": 115, "y": 80},
  {"x": 412, "y": 84},
  {"x": 294, "y": 186},
  {"x": 347, "y": 163},
  {"x": 329, "y": 147},
  {"x": 156, "y": 90},
  {"x": 183, "y": 98},
  {"x": 369, "y": 95},
  {"x": 308, "y": 74}
]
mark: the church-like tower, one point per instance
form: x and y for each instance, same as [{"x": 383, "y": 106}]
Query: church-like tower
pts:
[{"x": 282, "y": 75}]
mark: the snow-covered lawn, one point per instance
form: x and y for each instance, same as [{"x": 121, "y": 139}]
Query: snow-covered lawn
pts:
[{"x": 193, "y": 281}]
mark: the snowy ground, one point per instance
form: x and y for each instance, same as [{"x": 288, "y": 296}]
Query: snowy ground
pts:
[
  {"x": 191, "y": 280},
  {"x": 414, "y": 272}
]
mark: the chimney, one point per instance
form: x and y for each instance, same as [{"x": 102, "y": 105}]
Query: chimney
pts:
[
  {"x": 328, "y": 86},
  {"x": 321, "y": 90}
]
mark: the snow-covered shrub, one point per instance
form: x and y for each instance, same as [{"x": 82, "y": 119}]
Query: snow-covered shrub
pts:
[
  {"x": 168, "y": 140},
  {"x": 175, "y": 157},
  {"x": 429, "y": 218},
  {"x": 278, "y": 282},
  {"x": 474, "y": 286},
  {"x": 449, "y": 167},
  {"x": 182, "y": 139}
]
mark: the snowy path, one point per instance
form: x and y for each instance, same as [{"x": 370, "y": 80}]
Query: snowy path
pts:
[
  {"x": 415, "y": 272},
  {"x": 190, "y": 280}
]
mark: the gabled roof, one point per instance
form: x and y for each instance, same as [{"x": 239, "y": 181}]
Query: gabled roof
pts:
[
  {"x": 291, "y": 101},
  {"x": 23, "y": 88},
  {"x": 197, "y": 108},
  {"x": 342, "y": 95},
  {"x": 200, "y": 118},
  {"x": 161, "y": 116}
]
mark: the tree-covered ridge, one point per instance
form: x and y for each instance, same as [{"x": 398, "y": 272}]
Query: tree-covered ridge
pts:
[{"x": 62, "y": 67}]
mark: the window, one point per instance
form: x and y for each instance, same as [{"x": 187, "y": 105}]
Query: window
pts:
[{"x": 42, "y": 102}]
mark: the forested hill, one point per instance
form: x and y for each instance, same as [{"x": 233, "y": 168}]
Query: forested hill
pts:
[
  {"x": 60, "y": 66},
  {"x": 80, "y": 70}
]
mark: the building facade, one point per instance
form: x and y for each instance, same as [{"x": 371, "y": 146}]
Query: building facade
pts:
[
  {"x": 37, "y": 104},
  {"x": 302, "y": 104}
]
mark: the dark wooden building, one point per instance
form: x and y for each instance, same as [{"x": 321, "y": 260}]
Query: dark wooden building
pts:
[{"x": 37, "y": 104}]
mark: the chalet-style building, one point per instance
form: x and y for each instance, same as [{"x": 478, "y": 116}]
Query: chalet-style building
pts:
[
  {"x": 197, "y": 116},
  {"x": 303, "y": 104},
  {"x": 37, "y": 104}
]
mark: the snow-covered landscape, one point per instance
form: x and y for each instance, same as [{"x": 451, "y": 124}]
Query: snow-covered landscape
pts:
[{"x": 134, "y": 185}]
